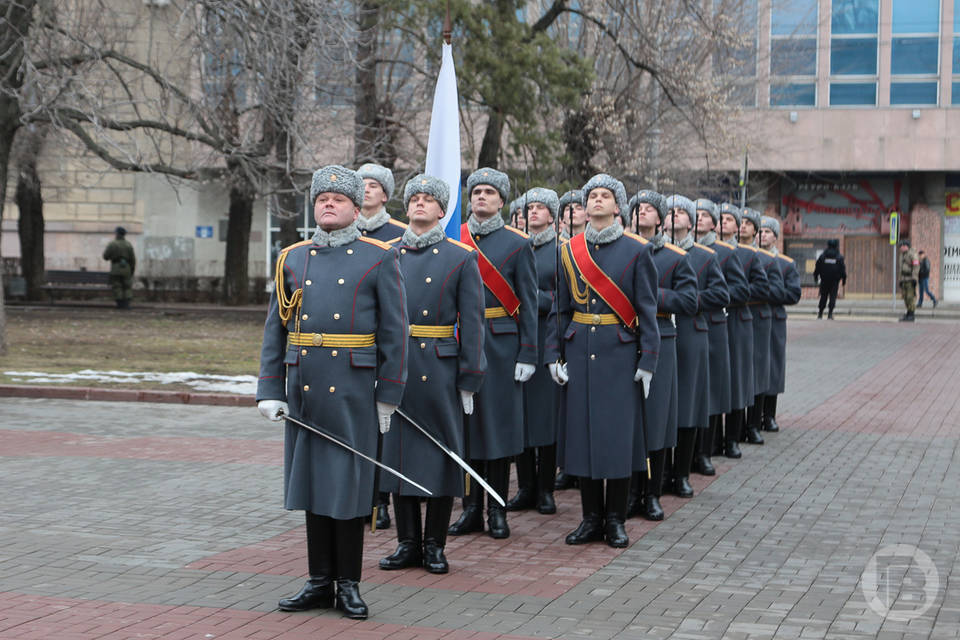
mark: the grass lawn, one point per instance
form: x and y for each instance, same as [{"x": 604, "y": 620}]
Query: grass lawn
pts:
[{"x": 70, "y": 339}]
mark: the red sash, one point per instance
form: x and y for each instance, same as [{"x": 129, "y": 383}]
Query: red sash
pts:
[
  {"x": 601, "y": 282},
  {"x": 492, "y": 279}
]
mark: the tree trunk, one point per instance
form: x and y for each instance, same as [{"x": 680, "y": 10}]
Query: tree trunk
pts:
[
  {"x": 9, "y": 123},
  {"x": 490, "y": 148},
  {"x": 30, "y": 226},
  {"x": 236, "y": 279},
  {"x": 365, "y": 118}
]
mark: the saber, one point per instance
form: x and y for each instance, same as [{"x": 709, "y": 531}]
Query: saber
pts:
[
  {"x": 455, "y": 457},
  {"x": 354, "y": 451},
  {"x": 376, "y": 484}
]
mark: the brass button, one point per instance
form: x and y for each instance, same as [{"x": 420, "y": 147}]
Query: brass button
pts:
[
  {"x": 593, "y": 301},
  {"x": 425, "y": 312},
  {"x": 304, "y": 317},
  {"x": 313, "y": 252},
  {"x": 318, "y": 339},
  {"x": 333, "y": 353},
  {"x": 593, "y": 329},
  {"x": 308, "y": 282},
  {"x": 435, "y": 250},
  {"x": 340, "y": 281},
  {"x": 332, "y": 389},
  {"x": 424, "y": 378},
  {"x": 593, "y": 356},
  {"x": 423, "y": 345},
  {"x": 428, "y": 280},
  {"x": 336, "y": 316},
  {"x": 364, "y": 233},
  {"x": 306, "y": 387},
  {"x": 596, "y": 318},
  {"x": 403, "y": 250},
  {"x": 303, "y": 352},
  {"x": 596, "y": 246},
  {"x": 349, "y": 252}
]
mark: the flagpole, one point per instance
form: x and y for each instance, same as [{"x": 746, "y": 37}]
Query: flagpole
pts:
[{"x": 447, "y": 25}]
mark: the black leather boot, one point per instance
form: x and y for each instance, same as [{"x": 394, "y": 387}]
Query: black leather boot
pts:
[
  {"x": 317, "y": 593},
  {"x": 349, "y": 544},
  {"x": 638, "y": 483},
  {"x": 701, "y": 457},
  {"x": 616, "y": 508},
  {"x": 383, "y": 511},
  {"x": 770, "y": 414},
  {"x": 471, "y": 520},
  {"x": 498, "y": 474},
  {"x": 733, "y": 426},
  {"x": 526, "y": 497},
  {"x": 591, "y": 500},
  {"x": 651, "y": 498},
  {"x": 546, "y": 467},
  {"x": 682, "y": 461},
  {"x": 564, "y": 481},
  {"x": 752, "y": 433},
  {"x": 409, "y": 535},
  {"x": 435, "y": 534}
]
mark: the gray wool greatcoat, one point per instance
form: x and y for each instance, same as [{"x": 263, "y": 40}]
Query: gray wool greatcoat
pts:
[
  {"x": 391, "y": 230},
  {"x": 778, "y": 333},
  {"x": 740, "y": 330},
  {"x": 356, "y": 288},
  {"x": 495, "y": 430},
  {"x": 693, "y": 346},
  {"x": 540, "y": 392},
  {"x": 443, "y": 280},
  {"x": 602, "y": 425},
  {"x": 763, "y": 321},
  {"x": 721, "y": 371},
  {"x": 676, "y": 295}
]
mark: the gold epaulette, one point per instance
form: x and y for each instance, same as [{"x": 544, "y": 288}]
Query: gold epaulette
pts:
[
  {"x": 785, "y": 257},
  {"x": 378, "y": 243},
  {"x": 397, "y": 223},
  {"x": 674, "y": 248},
  {"x": 397, "y": 239},
  {"x": 764, "y": 251},
  {"x": 462, "y": 245},
  {"x": 724, "y": 244},
  {"x": 516, "y": 231},
  {"x": 639, "y": 239},
  {"x": 704, "y": 247},
  {"x": 295, "y": 245},
  {"x": 747, "y": 246}
]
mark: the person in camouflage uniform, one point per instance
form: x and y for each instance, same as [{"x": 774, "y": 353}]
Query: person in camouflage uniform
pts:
[
  {"x": 909, "y": 271},
  {"x": 123, "y": 262}
]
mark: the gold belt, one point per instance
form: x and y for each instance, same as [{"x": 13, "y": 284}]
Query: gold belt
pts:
[
  {"x": 663, "y": 315},
  {"x": 332, "y": 339},
  {"x": 431, "y": 331},
  {"x": 495, "y": 312},
  {"x": 595, "y": 318}
]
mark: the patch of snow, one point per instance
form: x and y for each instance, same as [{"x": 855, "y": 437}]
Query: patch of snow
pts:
[{"x": 201, "y": 382}]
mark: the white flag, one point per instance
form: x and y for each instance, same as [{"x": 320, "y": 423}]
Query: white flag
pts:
[{"x": 443, "y": 145}]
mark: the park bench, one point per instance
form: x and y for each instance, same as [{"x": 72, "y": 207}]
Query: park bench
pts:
[{"x": 57, "y": 281}]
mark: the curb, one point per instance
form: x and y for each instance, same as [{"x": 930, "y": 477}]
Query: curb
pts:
[{"x": 125, "y": 395}]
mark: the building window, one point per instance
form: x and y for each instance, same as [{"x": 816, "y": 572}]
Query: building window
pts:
[
  {"x": 793, "y": 52},
  {"x": 955, "y": 92},
  {"x": 853, "y": 57},
  {"x": 853, "y": 52},
  {"x": 738, "y": 61},
  {"x": 915, "y": 52},
  {"x": 793, "y": 95},
  {"x": 853, "y": 93}
]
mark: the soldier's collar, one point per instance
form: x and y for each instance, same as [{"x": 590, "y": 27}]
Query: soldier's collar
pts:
[
  {"x": 337, "y": 237},
  {"x": 684, "y": 244},
  {"x": 774, "y": 250},
  {"x": 658, "y": 241},
  {"x": 433, "y": 235},
  {"x": 543, "y": 237},
  {"x": 374, "y": 222},
  {"x": 482, "y": 228},
  {"x": 604, "y": 236},
  {"x": 708, "y": 238}
]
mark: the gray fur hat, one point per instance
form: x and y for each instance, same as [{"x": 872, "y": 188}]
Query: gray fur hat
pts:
[
  {"x": 650, "y": 197},
  {"x": 496, "y": 179},
  {"x": 336, "y": 179},
  {"x": 766, "y": 222},
  {"x": 753, "y": 216},
  {"x": 379, "y": 173},
  {"x": 677, "y": 201},
  {"x": 710, "y": 207},
  {"x": 733, "y": 210},
  {"x": 545, "y": 196},
  {"x": 602, "y": 180},
  {"x": 423, "y": 183},
  {"x": 570, "y": 197}
]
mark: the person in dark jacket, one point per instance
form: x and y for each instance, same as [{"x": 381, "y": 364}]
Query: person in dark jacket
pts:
[
  {"x": 123, "y": 263},
  {"x": 829, "y": 272},
  {"x": 374, "y": 221},
  {"x": 445, "y": 369},
  {"x": 923, "y": 279},
  {"x": 334, "y": 357},
  {"x": 537, "y": 465}
]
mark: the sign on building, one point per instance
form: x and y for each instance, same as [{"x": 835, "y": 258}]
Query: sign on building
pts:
[{"x": 842, "y": 206}]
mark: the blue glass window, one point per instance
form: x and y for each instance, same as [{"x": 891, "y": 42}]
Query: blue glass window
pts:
[
  {"x": 916, "y": 16},
  {"x": 853, "y": 16},
  {"x": 955, "y": 94},
  {"x": 853, "y": 56},
  {"x": 853, "y": 93},
  {"x": 956, "y": 54},
  {"x": 913, "y": 93},
  {"x": 793, "y": 57},
  {"x": 914, "y": 55},
  {"x": 743, "y": 95},
  {"x": 790, "y": 95},
  {"x": 956, "y": 16},
  {"x": 793, "y": 17}
]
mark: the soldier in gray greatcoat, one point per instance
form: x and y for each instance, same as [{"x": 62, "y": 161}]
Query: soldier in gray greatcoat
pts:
[
  {"x": 769, "y": 232},
  {"x": 334, "y": 357},
  {"x": 693, "y": 346},
  {"x": 537, "y": 465},
  {"x": 676, "y": 295},
  {"x": 375, "y": 222},
  {"x": 740, "y": 331},
  {"x": 609, "y": 360},
  {"x": 495, "y": 429},
  {"x": 721, "y": 372},
  {"x": 762, "y": 323},
  {"x": 445, "y": 369}
]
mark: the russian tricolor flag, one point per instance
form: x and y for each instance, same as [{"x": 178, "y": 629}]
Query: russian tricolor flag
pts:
[{"x": 443, "y": 145}]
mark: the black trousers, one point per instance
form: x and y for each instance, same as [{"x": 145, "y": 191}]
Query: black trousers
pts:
[{"x": 828, "y": 290}]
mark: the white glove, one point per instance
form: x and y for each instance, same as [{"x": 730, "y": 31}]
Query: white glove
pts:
[
  {"x": 384, "y": 412},
  {"x": 273, "y": 409},
  {"x": 644, "y": 376},
  {"x": 466, "y": 399},
  {"x": 523, "y": 372},
  {"x": 558, "y": 371}
]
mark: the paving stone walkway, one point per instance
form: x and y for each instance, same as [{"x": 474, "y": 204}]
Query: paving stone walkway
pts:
[{"x": 123, "y": 520}]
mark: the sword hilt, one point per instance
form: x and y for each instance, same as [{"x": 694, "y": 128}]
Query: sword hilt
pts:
[
  {"x": 373, "y": 519},
  {"x": 466, "y": 491}
]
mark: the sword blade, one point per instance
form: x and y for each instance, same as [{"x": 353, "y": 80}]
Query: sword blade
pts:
[
  {"x": 329, "y": 437},
  {"x": 463, "y": 465}
]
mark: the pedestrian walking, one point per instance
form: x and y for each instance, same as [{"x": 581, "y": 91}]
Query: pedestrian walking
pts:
[{"x": 829, "y": 272}]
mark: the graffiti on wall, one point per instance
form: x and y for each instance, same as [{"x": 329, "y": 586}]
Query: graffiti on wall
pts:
[{"x": 859, "y": 206}]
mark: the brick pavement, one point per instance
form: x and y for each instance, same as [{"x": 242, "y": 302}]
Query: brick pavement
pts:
[{"x": 138, "y": 520}]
